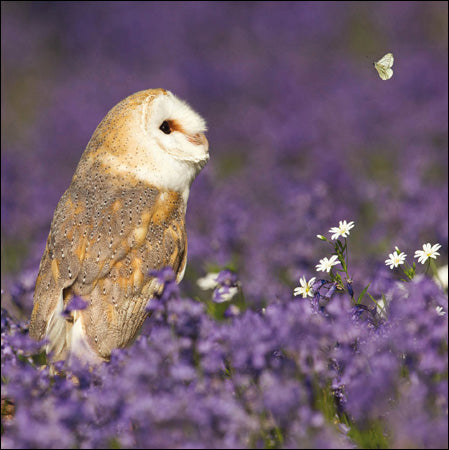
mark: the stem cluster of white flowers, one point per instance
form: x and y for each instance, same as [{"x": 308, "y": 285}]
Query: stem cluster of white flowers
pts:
[{"x": 340, "y": 256}]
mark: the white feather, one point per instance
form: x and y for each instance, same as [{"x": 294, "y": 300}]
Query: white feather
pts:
[
  {"x": 66, "y": 339},
  {"x": 170, "y": 107},
  {"x": 79, "y": 346},
  {"x": 167, "y": 161},
  {"x": 56, "y": 331}
]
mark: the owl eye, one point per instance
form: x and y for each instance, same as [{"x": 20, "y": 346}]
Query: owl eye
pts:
[{"x": 165, "y": 127}]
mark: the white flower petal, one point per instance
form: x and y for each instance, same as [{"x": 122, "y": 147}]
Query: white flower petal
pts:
[
  {"x": 208, "y": 282},
  {"x": 427, "y": 252}
]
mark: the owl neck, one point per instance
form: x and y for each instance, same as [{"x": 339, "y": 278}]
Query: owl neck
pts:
[
  {"x": 171, "y": 175},
  {"x": 110, "y": 171}
]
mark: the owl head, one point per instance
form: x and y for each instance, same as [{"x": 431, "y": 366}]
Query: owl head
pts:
[
  {"x": 176, "y": 128},
  {"x": 153, "y": 136}
]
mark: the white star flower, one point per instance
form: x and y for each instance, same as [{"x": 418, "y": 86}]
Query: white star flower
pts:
[
  {"x": 208, "y": 282},
  {"x": 325, "y": 264},
  {"x": 342, "y": 229},
  {"x": 225, "y": 294},
  {"x": 395, "y": 259},
  {"x": 427, "y": 252},
  {"x": 440, "y": 311},
  {"x": 306, "y": 287}
]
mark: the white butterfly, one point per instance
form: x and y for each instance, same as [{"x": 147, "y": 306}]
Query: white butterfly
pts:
[{"x": 383, "y": 66}]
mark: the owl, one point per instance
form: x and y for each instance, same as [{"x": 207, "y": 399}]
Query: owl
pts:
[{"x": 122, "y": 217}]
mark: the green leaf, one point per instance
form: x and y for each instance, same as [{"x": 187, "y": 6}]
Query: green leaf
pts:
[{"x": 362, "y": 294}]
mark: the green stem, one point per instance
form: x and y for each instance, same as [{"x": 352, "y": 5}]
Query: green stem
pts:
[
  {"x": 347, "y": 257},
  {"x": 435, "y": 271}
]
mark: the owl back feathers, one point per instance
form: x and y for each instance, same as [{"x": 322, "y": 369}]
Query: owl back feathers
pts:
[{"x": 104, "y": 240}]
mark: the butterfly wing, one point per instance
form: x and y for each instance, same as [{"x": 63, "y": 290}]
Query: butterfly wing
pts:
[
  {"x": 384, "y": 72},
  {"x": 387, "y": 60},
  {"x": 383, "y": 66}
]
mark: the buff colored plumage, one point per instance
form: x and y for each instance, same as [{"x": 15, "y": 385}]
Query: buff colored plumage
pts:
[{"x": 122, "y": 216}]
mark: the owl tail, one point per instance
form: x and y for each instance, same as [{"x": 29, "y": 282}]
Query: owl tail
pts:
[
  {"x": 67, "y": 338},
  {"x": 57, "y": 332}
]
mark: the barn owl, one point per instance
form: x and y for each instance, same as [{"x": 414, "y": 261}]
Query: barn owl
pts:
[{"x": 122, "y": 216}]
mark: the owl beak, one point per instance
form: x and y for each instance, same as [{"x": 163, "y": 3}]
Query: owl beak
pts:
[{"x": 199, "y": 139}]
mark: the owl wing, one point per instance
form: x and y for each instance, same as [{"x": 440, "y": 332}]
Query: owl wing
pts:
[
  {"x": 57, "y": 258},
  {"x": 101, "y": 247}
]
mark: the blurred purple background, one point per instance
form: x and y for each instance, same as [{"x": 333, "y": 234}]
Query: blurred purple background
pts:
[{"x": 302, "y": 131}]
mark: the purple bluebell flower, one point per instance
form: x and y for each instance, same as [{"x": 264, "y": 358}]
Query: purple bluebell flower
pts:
[
  {"x": 168, "y": 289},
  {"x": 76, "y": 303}
]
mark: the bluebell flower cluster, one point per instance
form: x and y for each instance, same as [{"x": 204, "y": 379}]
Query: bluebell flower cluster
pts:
[{"x": 285, "y": 377}]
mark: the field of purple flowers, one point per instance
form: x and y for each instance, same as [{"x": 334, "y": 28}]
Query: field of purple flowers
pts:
[{"x": 303, "y": 134}]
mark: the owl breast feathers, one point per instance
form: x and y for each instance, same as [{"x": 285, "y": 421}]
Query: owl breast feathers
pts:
[{"x": 122, "y": 216}]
